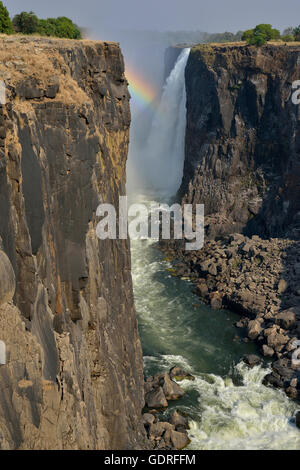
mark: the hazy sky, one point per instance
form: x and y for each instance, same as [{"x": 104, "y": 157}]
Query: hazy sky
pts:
[{"x": 205, "y": 15}]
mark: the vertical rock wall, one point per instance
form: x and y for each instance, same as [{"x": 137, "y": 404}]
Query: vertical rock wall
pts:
[
  {"x": 73, "y": 377},
  {"x": 243, "y": 137}
]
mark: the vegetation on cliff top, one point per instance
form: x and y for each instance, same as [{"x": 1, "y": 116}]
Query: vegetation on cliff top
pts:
[
  {"x": 263, "y": 33},
  {"x": 223, "y": 37},
  {"x": 257, "y": 36},
  {"x": 29, "y": 23},
  {"x": 6, "y": 26}
]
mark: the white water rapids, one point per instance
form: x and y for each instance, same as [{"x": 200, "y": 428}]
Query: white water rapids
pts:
[{"x": 227, "y": 404}]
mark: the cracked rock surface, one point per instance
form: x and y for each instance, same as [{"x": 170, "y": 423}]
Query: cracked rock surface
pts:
[{"x": 74, "y": 372}]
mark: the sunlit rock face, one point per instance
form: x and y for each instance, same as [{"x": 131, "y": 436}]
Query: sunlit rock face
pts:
[
  {"x": 73, "y": 377},
  {"x": 243, "y": 138}
]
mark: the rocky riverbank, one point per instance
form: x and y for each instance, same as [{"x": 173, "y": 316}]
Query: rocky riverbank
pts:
[
  {"x": 258, "y": 279},
  {"x": 159, "y": 390}
]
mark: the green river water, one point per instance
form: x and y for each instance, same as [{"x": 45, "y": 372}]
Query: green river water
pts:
[{"x": 227, "y": 404}]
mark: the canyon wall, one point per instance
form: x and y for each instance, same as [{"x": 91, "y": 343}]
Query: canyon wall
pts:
[
  {"x": 73, "y": 377},
  {"x": 242, "y": 161},
  {"x": 243, "y": 138}
]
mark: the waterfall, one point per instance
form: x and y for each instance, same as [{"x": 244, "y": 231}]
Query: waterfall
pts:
[{"x": 163, "y": 155}]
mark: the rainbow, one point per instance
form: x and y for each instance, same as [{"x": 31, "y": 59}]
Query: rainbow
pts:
[{"x": 142, "y": 92}]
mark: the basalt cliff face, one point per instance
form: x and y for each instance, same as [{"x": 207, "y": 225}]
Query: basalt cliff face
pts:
[
  {"x": 243, "y": 138},
  {"x": 242, "y": 162},
  {"x": 73, "y": 377}
]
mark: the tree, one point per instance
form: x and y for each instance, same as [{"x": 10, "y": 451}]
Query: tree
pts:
[
  {"x": 5, "y": 21},
  {"x": 261, "y": 34},
  {"x": 288, "y": 31},
  {"x": 297, "y": 33},
  {"x": 29, "y": 23},
  {"x": 288, "y": 38},
  {"x": 61, "y": 27},
  {"x": 26, "y": 23},
  {"x": 65, "y": 28},
  {"x": 46, "y": 27},
  {"x": 248, "y": 35}
]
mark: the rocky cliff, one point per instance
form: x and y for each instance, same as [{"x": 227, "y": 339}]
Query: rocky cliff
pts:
[
  {"x": 243, "y": 137},
  {"x": 73, "y": 376},
  {"x": 242, "y": 162}
]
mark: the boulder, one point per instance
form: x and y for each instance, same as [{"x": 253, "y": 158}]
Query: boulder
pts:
[
  {"x": 177, "y": 440},
  {"x": 148, "y": 419},
  {"x": 282, "y": 286},
  {"x": 179, "y": 422},
  {"x": 215, "y": 300},
  {"x": 252, "y": 360},
  {"x": 212, "y": 270},
  {"x": 204, "y": 266},
  {"x": 294, "y": 382},
  {"x": 254, "y": 329},
  {"x": 292, "y": 392},
  {"x": 236, "y": 238},
  {"x": 52, "y": 88},
  {"x": 156, "y": 398},
  {"x": 246, "y": 247},
  {"x": 51, "y": 91},
  {"x": 274, "y": 380},
  {"x": 282, "y": 367},
  {"x": 171, "y": 389},
  {"x": 150, "y": 384},
  {"x": 202, "y": 289},
  {"x": 286, "y": 319},
  {"x": 277, "y": 341},
  {"x": 158, "y": 429},
  {"x": 179, "y": 374},
  {"x": 267, "y": 351},
  {"x": 30, "y": 89},
  {"x": 242, "y": 323}
]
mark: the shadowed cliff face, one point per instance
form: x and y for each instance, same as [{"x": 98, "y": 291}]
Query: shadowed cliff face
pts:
[
  {"x": 243, "y": 138},
  {"x": 74, "y": 375}
]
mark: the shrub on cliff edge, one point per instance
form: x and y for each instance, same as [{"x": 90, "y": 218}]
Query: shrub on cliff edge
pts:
[
  {"x": 26, "y": 23},
  {"x": 260, "y": 34},
  {"x": 297, "y": 33},
  {"x": 288, "y": 38},
  {"x": 5, "y": 21},
  {"x": 61, "y": 27}
]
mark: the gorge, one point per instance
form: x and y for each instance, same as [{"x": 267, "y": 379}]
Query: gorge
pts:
[
  {"x": 230, "y": 406},
  {"x": 85, "y": 320}
]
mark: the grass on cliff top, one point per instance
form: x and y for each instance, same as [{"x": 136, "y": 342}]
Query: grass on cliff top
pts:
[
  {"x": 209, "y": 51},
  {"x": 19, "y": 61},
  {"x": 44, "y": 40},
  {"x": 208, "y": 45}
]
